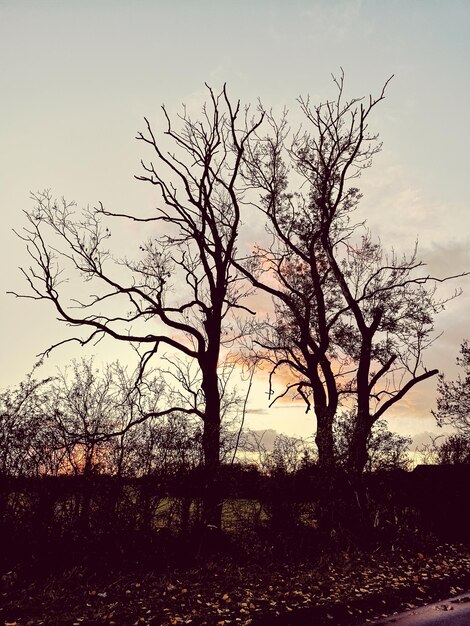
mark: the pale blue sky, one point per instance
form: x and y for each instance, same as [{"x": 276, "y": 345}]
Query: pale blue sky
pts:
[{"x": 77, "y": 77}]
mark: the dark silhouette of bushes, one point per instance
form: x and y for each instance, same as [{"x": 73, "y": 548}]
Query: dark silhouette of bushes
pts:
[{"x": 106, "y": 521}]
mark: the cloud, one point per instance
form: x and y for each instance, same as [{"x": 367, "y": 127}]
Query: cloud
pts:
[
  {"x": 260, "y": 439},
  {"x": 257, "y": 412},
  {"x": 399, "y": 211},
  {"x": 447, "y": 258},
  {"x": 424, "y": 438},
  {"x": 336, "y": 20}
]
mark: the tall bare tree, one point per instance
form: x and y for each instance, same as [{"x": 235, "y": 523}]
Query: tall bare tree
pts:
[
  {"x": 351, "y": 320},
  {"x": 184, "y": 278}
]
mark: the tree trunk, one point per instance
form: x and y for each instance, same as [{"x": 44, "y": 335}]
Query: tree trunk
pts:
[
  {"x": 325, "y": 404},
  {"x": 212, "y": 505},
  {"x": 325, "y": 444},
  {"x": 357, "y": 453},
  {"x": 360, "y": 521},
  {"x": 328, "y": 493}
]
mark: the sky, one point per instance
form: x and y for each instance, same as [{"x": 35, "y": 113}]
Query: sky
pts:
[{"x": 77, "y": 78}]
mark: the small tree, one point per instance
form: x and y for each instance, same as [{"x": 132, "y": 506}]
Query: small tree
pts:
[
  {"x": 26, "y": 445},
  {"x": 93, "y": 413},
  {"x": 454, "y": 450},
  {"x": 288, "y": 455}
]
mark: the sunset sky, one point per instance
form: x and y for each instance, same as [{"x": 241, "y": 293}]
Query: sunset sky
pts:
[{"x": 77, "y": 78}]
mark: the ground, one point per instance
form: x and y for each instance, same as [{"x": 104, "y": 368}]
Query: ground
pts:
[{"x": 351, "y": 590}]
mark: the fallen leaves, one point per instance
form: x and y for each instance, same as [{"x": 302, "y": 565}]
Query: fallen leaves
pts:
[{"x": 225, "y": 594}]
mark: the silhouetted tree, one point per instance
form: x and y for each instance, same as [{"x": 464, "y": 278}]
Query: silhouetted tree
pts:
[
  {"x": 454, "y": 450},
  {"x": 184, "y": 280},
  {"x": 22, "y": 411},
  {"x": 440, "y": 450},
  {"x": 93, "y": 413},
  {"x": 287, "y": 456},
  {"x": 350, "y": 319}
]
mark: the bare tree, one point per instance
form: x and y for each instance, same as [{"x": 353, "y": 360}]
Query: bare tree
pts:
[
  {"x": 22, "y": 428},
  {"x": 184, "y": 279},
  {"x": 294, "y": 270},
  {"x": 389, "y": 325},
  {"x": 92, "y": 413},
  {"x": 351, "y": 320}
]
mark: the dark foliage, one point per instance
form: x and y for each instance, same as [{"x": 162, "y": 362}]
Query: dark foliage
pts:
[{"x": 105, "y": 521}]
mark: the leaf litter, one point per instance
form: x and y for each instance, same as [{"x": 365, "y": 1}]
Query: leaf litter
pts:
[{"x": 352, "y": 589}]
